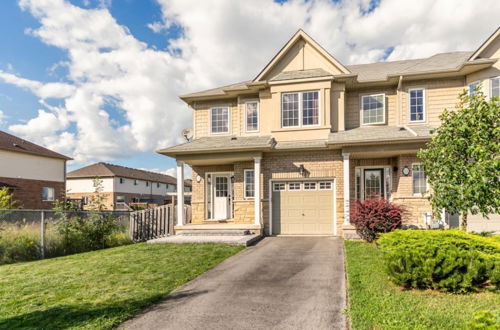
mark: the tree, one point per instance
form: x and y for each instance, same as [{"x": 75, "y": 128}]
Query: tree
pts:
[
  {"x": 7, "y": 200},
  {"x": 462, "y": 161}
]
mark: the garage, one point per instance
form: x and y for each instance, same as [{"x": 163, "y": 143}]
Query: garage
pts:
[{"x": 303, "y": 207}]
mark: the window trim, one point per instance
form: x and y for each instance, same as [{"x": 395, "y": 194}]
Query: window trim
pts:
[
  {"x": 315, "y": 183},
  {"x": 491, "y": 86},
  {"x": 53, "y": 194},
  {"x": 228, "y": 107},
  {"x": 279, "y": 183},
  {"x": 258, "y": 116},
  {"x": 122, "y": 180},
  {"x": 383, "y": 122},
  {"x": 330, "y": 183},
  {"x": 413, "y": 186},
  {"x": 387, "y": 195},
  {"x": 245, "y": 183},
  {"x": 294, "y": 182},
  {"x": 423, "y": 104},
  {"x": 301, "y": 108}
]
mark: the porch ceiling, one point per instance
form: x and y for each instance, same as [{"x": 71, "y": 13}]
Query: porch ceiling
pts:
[{"x": 218, "y": 158}]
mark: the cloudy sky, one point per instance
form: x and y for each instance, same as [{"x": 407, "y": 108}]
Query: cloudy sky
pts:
[{"x": 98, "y": 80}]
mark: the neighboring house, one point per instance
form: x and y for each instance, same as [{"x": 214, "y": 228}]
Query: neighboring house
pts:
[
  {"x": 290, "y": 150},
  {"x": 122, "y": 185},
  {"x": 35, "y": 175}
]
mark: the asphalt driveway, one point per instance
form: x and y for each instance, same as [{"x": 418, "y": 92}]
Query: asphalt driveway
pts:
[{"x": 281, "y": 283}]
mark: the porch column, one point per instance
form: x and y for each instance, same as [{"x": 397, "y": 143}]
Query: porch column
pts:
[
  {"x": 180, "y": 193},
  {"x": 257, "y": 198},
  {"x": 346, "y": 188}
]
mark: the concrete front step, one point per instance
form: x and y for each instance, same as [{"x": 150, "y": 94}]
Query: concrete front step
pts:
[
  {"x": 245, "y": 240},
  {"x": 213, "y": 232}
]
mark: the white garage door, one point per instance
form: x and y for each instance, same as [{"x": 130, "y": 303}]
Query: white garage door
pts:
[{"x": 302, "y": 208}]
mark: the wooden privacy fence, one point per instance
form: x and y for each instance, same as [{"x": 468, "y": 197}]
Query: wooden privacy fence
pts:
[{"x": 155, "y": 222}]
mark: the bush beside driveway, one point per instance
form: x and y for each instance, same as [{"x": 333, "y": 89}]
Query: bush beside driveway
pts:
[
  {"x": 100, "y": 289},
  {"x": 376, "y": 303}
]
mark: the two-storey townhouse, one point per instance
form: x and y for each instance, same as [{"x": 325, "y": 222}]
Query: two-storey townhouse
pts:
[
  {"x": 119, "y": 186},
  {"x": 288, "y": 152},
  {"x": 36, "y": 176}
]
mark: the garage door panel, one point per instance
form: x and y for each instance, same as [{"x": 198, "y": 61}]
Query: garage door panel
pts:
[{"x": 306, "y": 212}]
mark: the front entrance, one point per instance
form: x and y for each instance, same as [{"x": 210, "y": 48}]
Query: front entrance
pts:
[
  {"x": 219, "y": 196},
  {"x": 373, "y": 182},
  {"x": 374, "y": 187},
  {"x": 303, "y": 208}
]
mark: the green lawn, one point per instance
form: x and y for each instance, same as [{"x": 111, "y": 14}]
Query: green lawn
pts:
[
  {"x": 375, "y": 303},
  {"x": 97, "y": 290}
]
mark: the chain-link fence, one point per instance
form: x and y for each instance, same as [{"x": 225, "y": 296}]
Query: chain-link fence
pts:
[{"x": 37, "y": 234}]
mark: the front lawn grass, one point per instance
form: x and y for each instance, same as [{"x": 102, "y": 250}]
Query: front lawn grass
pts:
[
  {"x": 99, "y": 289},
  {"x": 376, "y": 303}
]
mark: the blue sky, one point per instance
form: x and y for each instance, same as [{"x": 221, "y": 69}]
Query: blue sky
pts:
[{"x": 98, "y": 79}]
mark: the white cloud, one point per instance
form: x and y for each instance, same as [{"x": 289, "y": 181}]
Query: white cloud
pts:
[
  {"x": 223, "y": 41},
  {"x": 2, "y": 117},
  {"x": 188, "y": 172}
]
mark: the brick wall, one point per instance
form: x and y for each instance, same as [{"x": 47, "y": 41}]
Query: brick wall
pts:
[{"x": 29, "y": 192}]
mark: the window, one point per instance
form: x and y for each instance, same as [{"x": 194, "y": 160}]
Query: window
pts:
[
  {"x": 135, "y": 182},
  {"x": 417, "y": 104},
  {"x": 325, "y": 186},
  {"x": 373, "y": 109},
  {"x": 495, "y": 87},
  {"x": 48, "y": 194},
  {"x": 300, "y": 109},
  {"x": 252, "y": 116},
  {"x": 158, "y": 185},
  {"x": 249, "y": 183},
  {"x": 122, "y": 180},
  {"x": 472, "y": 87},
  {"x": 220, "y": 120},
  {"x": 419, "y": 179},
  {"x": 85, "y": 200},
  {"x": 278, "y": 186},
  {"x": 147, "y": 183},
  {"x": 166, "y": 186},
  {"x": 120, "y": 199},
  {"x": 294, "y": 186},
  {"x": 357, "y": 173},
  {"x": 309, "y": 185}
]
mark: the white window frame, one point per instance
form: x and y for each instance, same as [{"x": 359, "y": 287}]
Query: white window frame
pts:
[
  {"x": 326, "y": 183},
  {"x": 48, "y": 195},
  {"x": 279, "y": 184},
  {"x": 361, "y": 117},
  {"x": 477, "y": 82},
  {"x": 228, "y": 119},
  {"x": 294, "y": 182},
  {"x": 122, "y": 180},
  {"x": 388, "y": 195},
  {"x": 491, "y": 85},
  {"x": 245, "y": 184},
  {"x": 301, "y": 108},
  {"x": 412, "y": 180},
  {"x": 258, "y": 116},
  {"x": 423, "y": 104},
  {"x": 308, "y": 183}
]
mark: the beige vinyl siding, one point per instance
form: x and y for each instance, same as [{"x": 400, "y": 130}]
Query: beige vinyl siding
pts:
[
  {"x": 439, "y": 95},
  {"x": 353, "y": 106}
]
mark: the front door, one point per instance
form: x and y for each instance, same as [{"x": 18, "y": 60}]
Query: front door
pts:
[
  {"x": 374, "y": 187},
  {"x": 222, "y": 197}
]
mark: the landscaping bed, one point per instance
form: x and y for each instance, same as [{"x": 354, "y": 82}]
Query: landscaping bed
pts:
[
  {"x": 99, "y": 289},
  {"x": 377, "y": 303}
]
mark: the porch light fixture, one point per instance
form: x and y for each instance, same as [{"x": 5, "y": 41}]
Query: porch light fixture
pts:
[
  {"x": 198, "y": 178},
  {"x": 406, "y": 171},
  {"x": 232, "y": 178},
  {"x": 395, "y": 169},
  {"x": 301, "y": 169}
]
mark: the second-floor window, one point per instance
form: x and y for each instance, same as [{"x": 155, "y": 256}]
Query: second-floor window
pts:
[
  {"x": 300, "y": 109},
  {"x": 122, "y": 180},
  {"x": 417, "y": 104},
  {"x": 495, "y": 87},
  {"x": 373, "y": 109},
  {"x": 219, "y": 118},
  {"x": 252, "y": 116}
]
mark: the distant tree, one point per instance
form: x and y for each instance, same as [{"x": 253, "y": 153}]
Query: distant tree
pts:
[
  {"x": 7, "y": 199},
  {"x": 462, "y": 161}
]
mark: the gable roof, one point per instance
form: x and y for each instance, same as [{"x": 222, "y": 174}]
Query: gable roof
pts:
[
  {"x": 104, "y": 170},
  {"x": 13, "y": 143},
  {"x": 300, "y": 34},
  {"x": 301, "y": 74},
  {"x": 485, "y": 44}
]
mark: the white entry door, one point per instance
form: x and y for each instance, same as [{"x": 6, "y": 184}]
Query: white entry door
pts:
[{"x": 222, "y": 197}]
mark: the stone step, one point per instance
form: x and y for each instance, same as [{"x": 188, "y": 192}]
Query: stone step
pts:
[{"x": 213, "y": 232}]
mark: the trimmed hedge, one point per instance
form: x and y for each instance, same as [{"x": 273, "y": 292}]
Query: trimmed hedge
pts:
[{"x": 445, "y": 260}]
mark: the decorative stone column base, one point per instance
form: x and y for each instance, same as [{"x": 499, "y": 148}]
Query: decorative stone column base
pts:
[{"x": 349, "y": 233}]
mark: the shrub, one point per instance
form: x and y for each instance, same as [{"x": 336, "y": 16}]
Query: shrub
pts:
[
  {"x": 374, "y": 216},
  {"x": 486, "y": 320},
  {"x": 448, "y": 260},
  {"x": 19, "y": 243}
]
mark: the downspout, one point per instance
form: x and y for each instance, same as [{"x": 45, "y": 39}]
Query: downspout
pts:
[{"x": 399, "y": 101}]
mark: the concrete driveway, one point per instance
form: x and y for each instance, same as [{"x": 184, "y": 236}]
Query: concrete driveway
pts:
[{"x": 281, "y": 283}]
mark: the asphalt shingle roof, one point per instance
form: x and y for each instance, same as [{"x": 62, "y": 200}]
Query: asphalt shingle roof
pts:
[
  {"x": 301, "y": 74},
  {"x": 379, "y": 133},
  {"x": 13, "y": 143}
]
